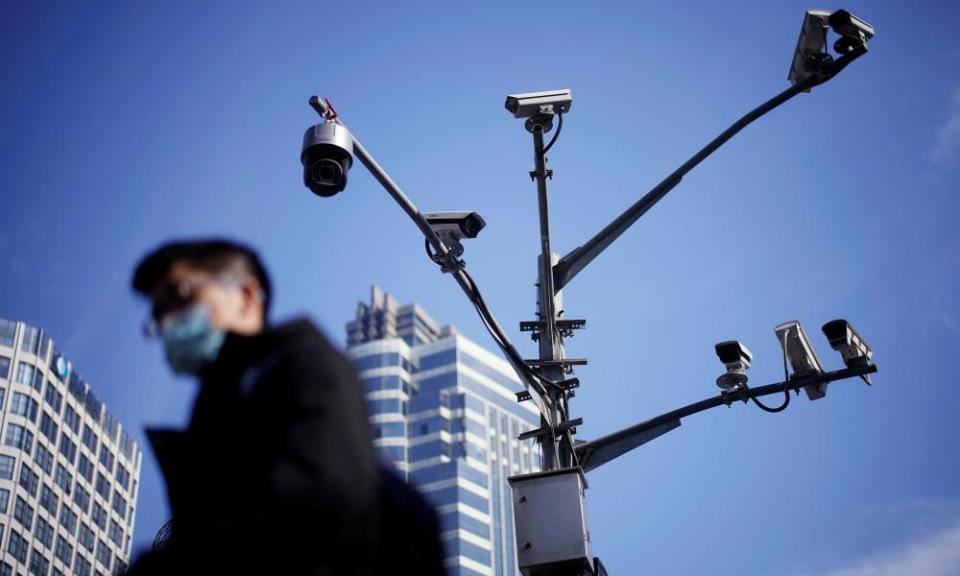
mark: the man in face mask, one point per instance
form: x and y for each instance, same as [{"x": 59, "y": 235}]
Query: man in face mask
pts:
[{"x": 275, "y": 473}]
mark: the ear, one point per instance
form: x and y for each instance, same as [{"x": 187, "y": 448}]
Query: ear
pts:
[{"x": 252, "y": 293}]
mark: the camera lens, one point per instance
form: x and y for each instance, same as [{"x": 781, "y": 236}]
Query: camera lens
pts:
[{"x": 326, "y": 172}]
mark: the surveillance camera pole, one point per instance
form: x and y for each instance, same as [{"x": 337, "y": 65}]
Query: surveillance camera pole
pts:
[{"x": 545, "y": 378}]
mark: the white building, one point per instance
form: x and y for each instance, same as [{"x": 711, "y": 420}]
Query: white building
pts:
[
  {"x": 444, "y": 411},
  {"x": 69, "y": 473}
]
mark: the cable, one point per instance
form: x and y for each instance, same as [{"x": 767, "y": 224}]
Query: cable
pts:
[
  {"x": 780, "y": 408},
  {"x": 786, "y": 391},
  {"x": 556, "y": 134}
]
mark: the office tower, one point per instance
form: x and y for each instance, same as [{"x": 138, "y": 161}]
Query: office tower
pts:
[
  {"x": 444, "y": 412},
  {"x": 69, "y": 472}
]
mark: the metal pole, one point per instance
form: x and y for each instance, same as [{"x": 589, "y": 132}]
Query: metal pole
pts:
[{"x": 555, "y": 453}]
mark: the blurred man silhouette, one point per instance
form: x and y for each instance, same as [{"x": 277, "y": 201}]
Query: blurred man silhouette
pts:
[{"x": 275, "y": 472}]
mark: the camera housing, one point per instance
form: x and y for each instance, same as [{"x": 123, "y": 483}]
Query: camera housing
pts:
[
  {"x": 811, "y": 46},
  {"x": 455, "y": 225},
  {"x": 845, "y": 339},
  {"x": 853, "y": 31},
  {"x": 736, "y": 357},
  {"x": 802, "y": 358},
  {"x": 327, "y": 156},
  {"x": 534, "y": 103}
]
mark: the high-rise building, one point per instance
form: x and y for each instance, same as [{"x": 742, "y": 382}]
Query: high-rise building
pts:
[
  {"x": 69, "y": 472},
  {"x": 444, "y": 411}
]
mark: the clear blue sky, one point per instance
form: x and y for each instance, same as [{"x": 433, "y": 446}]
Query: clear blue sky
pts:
[{"x": 126, "y": 124}]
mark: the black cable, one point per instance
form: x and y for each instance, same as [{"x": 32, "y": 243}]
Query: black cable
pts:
[
  {"x": 556, "y": 134},
  {"x": 786, "y": 378},
  {"x": 780, "y": 408}
]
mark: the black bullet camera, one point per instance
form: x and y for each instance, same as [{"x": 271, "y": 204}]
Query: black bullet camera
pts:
[{"x": 326, "y": 157}]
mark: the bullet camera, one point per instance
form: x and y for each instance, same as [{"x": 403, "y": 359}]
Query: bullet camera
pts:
[
  {"x": 811, "y": 49},
  {"x": 457, "y": 225},
  {"x": 534, "y": 103},
  {"x": 853, "y": 31},
  {"x": 326, "y": 157},
  {"x": 802, "y": 358},
  {"x": 736, "y": 357},
  {"x": 451, "y": 227},
  {"x": 845, "y": 339},
  {"x": 811, "y": 58}
]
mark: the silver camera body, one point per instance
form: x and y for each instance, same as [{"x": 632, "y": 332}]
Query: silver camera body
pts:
[
  {"x": 811, "y": 44},
  {"x": 801, "y": 355},
  {"x": 534, "y": 103},
  {"x": 327, "y": 156},
  {"x": 736, "y": 357}
]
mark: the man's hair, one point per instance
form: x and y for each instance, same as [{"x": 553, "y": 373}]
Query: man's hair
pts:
[{"x": 214, "y": 255}]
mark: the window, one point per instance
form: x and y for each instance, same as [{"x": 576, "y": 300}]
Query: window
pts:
[
  {"x": 64, "y": 551},
  {"x": 3, "y": 394},
  {"x": 6, "y": 466},
  {"x": 119, "y": 504},
  {"x": 123, "y": 477},
  {"x": 44, "y": 458},
  {"x": 68, "y": 448},
  {"x": 23, "y": 405},
  {"x": 89, "y": 439},
  {"x": 49, "y": 500},
  {"x": 63, "y": 479},
  {"x": 25, "y": 373},
  {"x": 23, "y": 513},
  {"x": 106, "y": 457},
  {"x": 48, "y": 427},
  {"x": 53, "y": 397},
  {"x": 30, "y": 340},
  {"x": 68, "y": 519},
  {"x": 99, "y": 516},
  {"x": 116, "y": 533},
  {"x": 103, "y": 486},
  {"x": 85, "y": 468},
  {"x": 6, "y": 569},
  {"x": 39, "y": 566},
  {"x": 19, "y": 437},
  {"x": 71, "y": 419},
  {"x": 103, "y": 554},
  {"x": 29, "y": 480},
  {"x": 86, "y": 536},
  {"x": 4, "y": 501},
  {"x": 8, "y": 332},
  {"x": 4, "y": 367},
  {"x": 82, "y": 499},
  {"x": 44, "y": 533},
  {"x": 82, "y": 567},
  {"x": 17, "y": 547}
]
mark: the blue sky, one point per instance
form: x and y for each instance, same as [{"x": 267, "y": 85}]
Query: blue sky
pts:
[{"x": 127, "y": 124}]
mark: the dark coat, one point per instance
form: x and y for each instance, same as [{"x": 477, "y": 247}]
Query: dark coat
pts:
[{"x": 276, "y": 473}]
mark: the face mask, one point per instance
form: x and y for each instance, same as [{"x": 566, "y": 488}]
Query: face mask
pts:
[{"x": 190, "y": 341}]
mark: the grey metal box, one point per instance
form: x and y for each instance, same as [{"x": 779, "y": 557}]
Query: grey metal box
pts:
[{"x": 551, "y": 519}]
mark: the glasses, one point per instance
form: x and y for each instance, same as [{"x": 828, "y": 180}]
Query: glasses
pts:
[{"x": 177, "y": 296}]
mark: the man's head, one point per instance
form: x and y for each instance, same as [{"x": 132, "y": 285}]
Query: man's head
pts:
[{"x": 227, "y": 279}]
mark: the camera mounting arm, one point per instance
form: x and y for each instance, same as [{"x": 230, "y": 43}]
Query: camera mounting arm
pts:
[
  {"x": 450, "y": 263},
  {"x": 571, "y": 264},
  {"x": 595, "y": 453}
]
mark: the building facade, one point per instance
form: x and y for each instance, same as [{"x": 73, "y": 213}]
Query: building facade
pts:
[
  {"x": 444, "y": 412},
  {"x": 69, "y": 473}
]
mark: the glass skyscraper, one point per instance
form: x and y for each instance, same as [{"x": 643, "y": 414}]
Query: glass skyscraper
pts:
[
  {"x": 69, "y": 472},
  {"x": 444, "y": 411}
]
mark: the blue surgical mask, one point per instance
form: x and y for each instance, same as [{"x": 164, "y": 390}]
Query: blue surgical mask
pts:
[{"x": 190, "y": 341}]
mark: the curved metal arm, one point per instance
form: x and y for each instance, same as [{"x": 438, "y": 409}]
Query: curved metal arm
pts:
[
  {"x": 597, "y": 452},
  {"x": 571, "y": 264},
  {"x": 540, "y": 399}
]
